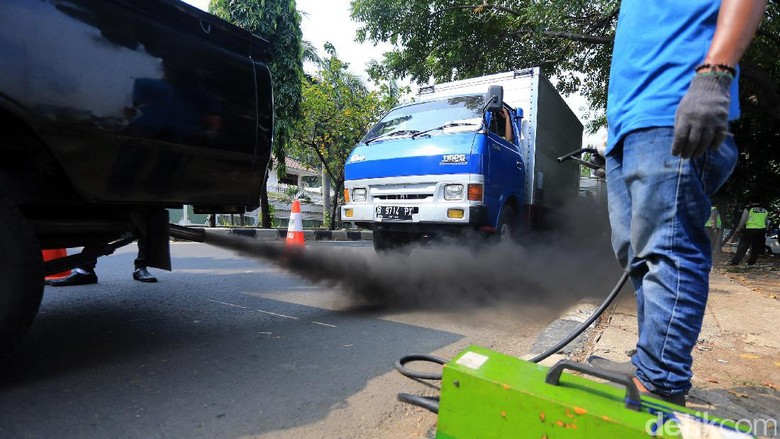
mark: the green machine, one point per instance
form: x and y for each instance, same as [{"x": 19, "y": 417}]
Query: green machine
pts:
[{"x": 486, "y": 394}]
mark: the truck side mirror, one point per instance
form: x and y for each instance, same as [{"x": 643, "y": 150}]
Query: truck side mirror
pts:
[{"x": 495, "y": 98}]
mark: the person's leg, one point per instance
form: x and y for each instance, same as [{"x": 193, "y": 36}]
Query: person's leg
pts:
[
  {"x": 140, "y": 258},
  {"x": 619, "y": 205},
  {"x": 83, "y": 275},
  {"x": 718, "y": 242},
  {"x": 671, "y": 251},
  {"x": 712, "y": 233},
  {"x": 757, "y": 243},
  {"x": 141, "y": 273},
  {"x": 742, "y": 248},
  {"x": 89, "y": 267}
]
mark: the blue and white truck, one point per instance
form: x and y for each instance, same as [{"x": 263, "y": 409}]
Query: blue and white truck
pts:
[{"x": 447, "y": 163}]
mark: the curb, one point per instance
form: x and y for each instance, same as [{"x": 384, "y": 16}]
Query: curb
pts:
[
  {"x": 568, "y": 321},
  {"x": 309, "y": 235}
]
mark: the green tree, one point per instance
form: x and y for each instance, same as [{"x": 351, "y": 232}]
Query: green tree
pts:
[
  {"x": 279, "y": 22},
  {"x": 757, "y": 132},
  {"x": 446, "y": 40},
  {"x": 572, "y": 40},
  {"x": 339, "y": 109}
]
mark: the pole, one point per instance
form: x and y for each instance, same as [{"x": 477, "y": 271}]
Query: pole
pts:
[{"x": 185, "y": 219}]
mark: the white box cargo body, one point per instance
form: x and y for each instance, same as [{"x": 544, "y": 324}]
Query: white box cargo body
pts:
[{"x": 550, "y": 129}]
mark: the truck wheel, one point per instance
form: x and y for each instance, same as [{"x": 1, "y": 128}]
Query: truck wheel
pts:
[
  {"x": 21, "y": 275},
  {"x": 388, "y": 241},
  {"x": 507, "y": 228},
  {"x": 382, "y": 241}
]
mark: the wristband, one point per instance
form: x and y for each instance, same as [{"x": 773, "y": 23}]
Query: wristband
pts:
[{"x": 716, "y": 67}]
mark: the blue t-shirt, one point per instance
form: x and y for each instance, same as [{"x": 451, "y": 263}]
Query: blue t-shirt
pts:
[{"x": 657, "y": 45}]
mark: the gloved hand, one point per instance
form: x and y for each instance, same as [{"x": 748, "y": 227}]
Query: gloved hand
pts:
[{"x": 701, "y": 120}]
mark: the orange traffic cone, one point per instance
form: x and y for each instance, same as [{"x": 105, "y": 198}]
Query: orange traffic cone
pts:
[
  {"x": 295, "y": 227},
  {"x": 49, "y": 255}
]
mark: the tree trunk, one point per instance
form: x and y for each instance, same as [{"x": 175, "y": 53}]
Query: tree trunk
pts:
[
  {"x": 265, "y": 212},
  {"x": 339, "y": 187},
  {"x": 325, "y": 193}
]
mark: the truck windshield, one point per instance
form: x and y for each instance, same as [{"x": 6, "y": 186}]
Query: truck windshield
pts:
[{"x": 416, "y": 118}]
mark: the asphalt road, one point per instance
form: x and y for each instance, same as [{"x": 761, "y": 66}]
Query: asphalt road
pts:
[{"x": 227, "y": 346}]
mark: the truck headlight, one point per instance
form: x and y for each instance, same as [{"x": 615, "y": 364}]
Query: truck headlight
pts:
[
  {"x": 453, "y": 192},
  {"x": 359, "y": 195}
]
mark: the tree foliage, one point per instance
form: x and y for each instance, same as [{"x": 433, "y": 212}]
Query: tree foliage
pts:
[
  {"x": 339, "y": 109},
  {"x": 757, "y": 132},
  {"x": 279, "y": 22},
  {"x": 446, "y": 40}
]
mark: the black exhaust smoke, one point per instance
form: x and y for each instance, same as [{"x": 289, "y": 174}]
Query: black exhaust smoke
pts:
[
  {"x": 551, "y": 269},
  {"x": 444, "y": 275}
]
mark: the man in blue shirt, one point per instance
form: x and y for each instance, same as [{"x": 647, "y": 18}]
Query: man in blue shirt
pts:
[{"x": 672, "y": 92}]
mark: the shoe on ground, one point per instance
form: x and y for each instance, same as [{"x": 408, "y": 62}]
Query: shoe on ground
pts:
[
  {"x": 627, "y": 368},
  {"x": 672, "y": 399},
  {"x": 624, "y": 367},
  {"x": 76, "y": 277},
  {"x": 141, "y": 274}
]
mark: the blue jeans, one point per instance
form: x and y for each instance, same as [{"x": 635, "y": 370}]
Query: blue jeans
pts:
[{"x": 658, "y": 205}]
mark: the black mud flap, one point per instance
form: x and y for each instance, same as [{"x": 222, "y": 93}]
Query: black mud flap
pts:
[{"x": 154, "y": 224}]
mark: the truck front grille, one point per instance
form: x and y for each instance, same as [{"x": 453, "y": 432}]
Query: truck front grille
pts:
[
  {"x": 403, "y": 192},
  {"x": 403, "y": 196}
]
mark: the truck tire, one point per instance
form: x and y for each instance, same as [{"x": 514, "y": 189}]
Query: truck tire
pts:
[
  {"x": 508, "y": 224},
  {"x": 388, "y": 241},
  {"x": 382, "y": 241},
  {"x": 21, "y": 275}
]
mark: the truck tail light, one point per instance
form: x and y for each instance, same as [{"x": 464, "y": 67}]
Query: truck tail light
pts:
[
  {"x": 346, "y": 195},
  {"x": 475, "y": 192}
]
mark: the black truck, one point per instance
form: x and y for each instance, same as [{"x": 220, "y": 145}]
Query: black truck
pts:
[{"x": 110, "y": 112}]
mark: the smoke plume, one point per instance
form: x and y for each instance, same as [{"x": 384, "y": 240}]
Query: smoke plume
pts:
[{"x": 552, "y": 271}]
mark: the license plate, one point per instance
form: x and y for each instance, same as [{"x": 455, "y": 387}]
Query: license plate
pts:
[{"x": 398, "y": 213}]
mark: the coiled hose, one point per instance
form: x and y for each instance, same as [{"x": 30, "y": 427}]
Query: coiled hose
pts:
[{"x": 432, "y": 403}]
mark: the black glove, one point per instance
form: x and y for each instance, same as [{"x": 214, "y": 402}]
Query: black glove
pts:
[{"x": 701, "y": 120}]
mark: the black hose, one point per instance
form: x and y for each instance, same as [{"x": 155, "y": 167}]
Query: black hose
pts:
[
  {"x": 584, "y": 325},
  {"x": 430, "y": 403},
  {"x": 400, "y": 366}
]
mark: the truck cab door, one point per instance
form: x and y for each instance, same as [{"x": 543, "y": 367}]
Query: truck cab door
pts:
[{"x": 505, "y": 170}]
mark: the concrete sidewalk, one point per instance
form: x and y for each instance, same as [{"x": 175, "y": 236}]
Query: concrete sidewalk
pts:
[{"x": 736, "y": 362}]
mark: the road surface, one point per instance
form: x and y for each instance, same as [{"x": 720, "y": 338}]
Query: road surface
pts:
[{"x": 228, "y": 346}]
